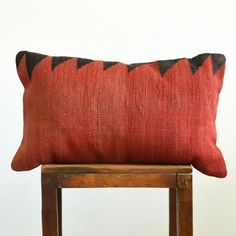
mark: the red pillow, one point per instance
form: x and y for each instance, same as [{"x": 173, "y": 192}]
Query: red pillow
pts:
[{"x": 79, "y": 110}]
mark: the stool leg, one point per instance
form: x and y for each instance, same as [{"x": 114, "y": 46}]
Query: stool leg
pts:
[
  {"x": 50, "y": 206},
  {"x": 172, "y": 212},
  {"x": 185, "y": 209},
  {"x": 59, "y": 205}
]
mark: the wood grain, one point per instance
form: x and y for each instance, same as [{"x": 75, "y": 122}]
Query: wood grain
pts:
[
  {"x": 178, "y": 178},
  {"x": 94, "y": 168}
]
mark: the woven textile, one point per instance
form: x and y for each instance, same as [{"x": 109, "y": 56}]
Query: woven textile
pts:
[{"x": 78, "y": 110}]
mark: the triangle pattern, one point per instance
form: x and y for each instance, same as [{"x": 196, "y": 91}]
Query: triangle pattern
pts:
[
  {"x": 165, "y": 65},
  {"x": 32, "y": 59},
  {"x": 217, "y": 61},
  {"x": 196, "y": 62},
  {"x": 58, "y": 60},
  {"x": 82, "y": 62},
  {"x": 134, "y": 65},
  {"x": 108, "y": 64},
  {"x": 18, "y": 57}
]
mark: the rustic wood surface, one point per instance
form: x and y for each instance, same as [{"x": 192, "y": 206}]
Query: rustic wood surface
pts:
[
  {"x": 90, "y": 168},
  {"x": 178, "y": 178}
]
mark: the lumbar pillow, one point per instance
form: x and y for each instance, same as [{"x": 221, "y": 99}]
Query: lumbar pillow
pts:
[{"x": 79, "y": 110}]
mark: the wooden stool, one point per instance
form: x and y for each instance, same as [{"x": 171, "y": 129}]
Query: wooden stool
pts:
[{"x": 177, "y": 178}]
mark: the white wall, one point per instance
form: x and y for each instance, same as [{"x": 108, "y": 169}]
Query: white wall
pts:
[{"x": 128, "y": 31}]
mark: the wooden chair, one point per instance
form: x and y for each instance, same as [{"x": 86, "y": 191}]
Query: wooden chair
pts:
[{"x": 178, "y": 178}]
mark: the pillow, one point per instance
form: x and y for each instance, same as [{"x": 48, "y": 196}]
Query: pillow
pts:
[{"x": 78, "y": 110}]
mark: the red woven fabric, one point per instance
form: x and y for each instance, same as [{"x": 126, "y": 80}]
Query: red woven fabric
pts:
[{"x": 82, "y": 111}]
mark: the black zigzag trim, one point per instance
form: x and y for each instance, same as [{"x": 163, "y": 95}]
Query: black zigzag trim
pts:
[
  {"x": 19, "y": 55},
  {"x": 165, "y": 65},
  {"x": 134, "y": 65},
  {"x": 58, "y": 60},
  {"x": 108, "y": 64},
  {"x": 196, "y": 62},
  {"x": 32, "y": 59},
  {"x": 82, "y": 62},
  {"x": 217, "y": 61}
]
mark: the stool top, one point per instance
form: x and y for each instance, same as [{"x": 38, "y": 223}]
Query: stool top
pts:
[{"x": 94, "y": 168}]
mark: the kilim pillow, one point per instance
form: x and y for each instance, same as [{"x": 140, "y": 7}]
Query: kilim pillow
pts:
[{"x": 79, "y": 110}]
